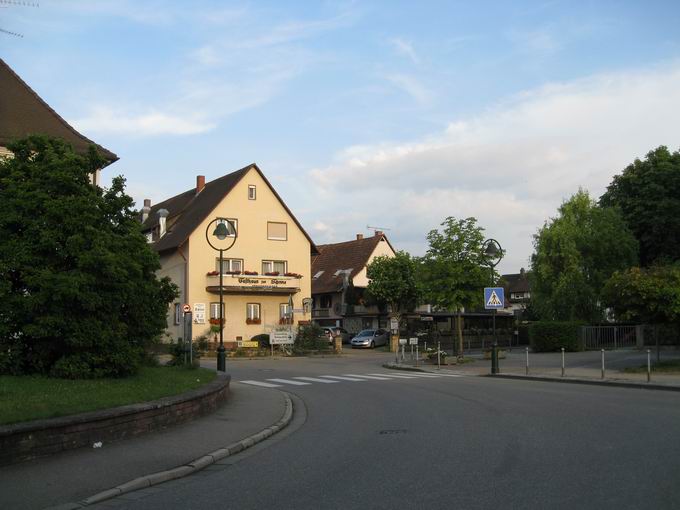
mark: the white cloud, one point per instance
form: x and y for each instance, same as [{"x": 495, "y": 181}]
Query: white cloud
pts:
[
  {"x": 406, "y": 49},
  {"x": 510, "y": 166},
  {"x": 411, "y": 86},
  {"x": 103, "y": 119}
]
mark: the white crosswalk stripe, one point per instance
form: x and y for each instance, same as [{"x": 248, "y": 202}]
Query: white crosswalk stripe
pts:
[
  {"x": 373, "y": 377},
  {"x": 343, "y": 378},
  {"x": 316, "y": 379},
  {"x": 330, "y": 379},
  {"x": 395, "y": 376},
  {"x": 260, "y": 383},
  {"x": 288, "y": 381}
]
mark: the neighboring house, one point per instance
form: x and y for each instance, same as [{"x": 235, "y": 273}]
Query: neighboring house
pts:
[
  {"x": 269, "y": 240},
  {"x": 339, "y": 280},
  {"x": 517, "y": 290},
  {"x": 23, "y": 113}
]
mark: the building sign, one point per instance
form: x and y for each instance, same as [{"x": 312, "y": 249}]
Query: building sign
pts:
[
  {"x": 199, "y": 313},
  {"x": 249, "y": 344},
  {"x": 245, "y": 283}
]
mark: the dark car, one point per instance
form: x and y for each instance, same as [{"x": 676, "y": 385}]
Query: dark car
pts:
[
  {"x": 370, "y": 338},
  {"x": 332, "y": 332}
]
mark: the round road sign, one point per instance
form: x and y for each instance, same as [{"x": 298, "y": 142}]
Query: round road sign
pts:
[{"x": 186, "y": 308}]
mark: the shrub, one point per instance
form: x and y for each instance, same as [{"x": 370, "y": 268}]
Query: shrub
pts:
[
  {"x": 311, "y": 337},
  {"x": 181, "y": 349},
  {"x": 550, "y": 336}
]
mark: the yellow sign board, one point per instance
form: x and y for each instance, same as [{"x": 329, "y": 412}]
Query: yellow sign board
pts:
[{"x": 250, "y": 344}]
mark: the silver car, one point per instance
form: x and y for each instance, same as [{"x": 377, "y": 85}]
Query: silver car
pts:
[
  {"x": 330, "y": 332},
  {"x": 370, "y": 338}
]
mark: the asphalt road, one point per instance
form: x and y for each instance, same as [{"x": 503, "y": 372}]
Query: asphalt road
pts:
[{"x": 441, "y": 442}]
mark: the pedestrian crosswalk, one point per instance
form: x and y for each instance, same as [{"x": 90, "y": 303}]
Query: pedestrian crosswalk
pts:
[{"x": 351, "y": 378}]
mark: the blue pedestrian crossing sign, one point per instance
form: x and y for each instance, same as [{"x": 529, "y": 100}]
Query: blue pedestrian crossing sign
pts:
[{"x": 494, "y": 298}]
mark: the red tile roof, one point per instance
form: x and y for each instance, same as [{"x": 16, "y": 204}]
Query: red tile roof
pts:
[{"x": 351, "y": 255}]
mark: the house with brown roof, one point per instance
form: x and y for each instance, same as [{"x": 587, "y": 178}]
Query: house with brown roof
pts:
[
  {"x": 267, "y": 266},
  {"x": 24, "y": 113},
  {"x": 339, "y": 280},
  {"x": 517, "y": 290}
]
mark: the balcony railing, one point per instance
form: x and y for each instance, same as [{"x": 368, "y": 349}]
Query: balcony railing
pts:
[{"x": 320, "y": 313}]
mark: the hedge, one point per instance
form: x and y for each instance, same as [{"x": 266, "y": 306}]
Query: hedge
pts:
[{"x": 550, "y": 336}]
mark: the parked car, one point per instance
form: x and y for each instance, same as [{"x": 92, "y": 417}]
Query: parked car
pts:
[
  {"x": 370, "y": 338},
  {"x": 331, "y": 332}
]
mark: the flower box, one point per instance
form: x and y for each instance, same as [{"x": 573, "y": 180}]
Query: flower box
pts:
[
  {"x": 250, "y": 273},
  {"x": 272, "y": 273},
  {"x": 212, "y": 273},
  {"x": 216, "y": 322},
  {"x": 253, "y": 321},
  {"x": 293, "y": 275}
]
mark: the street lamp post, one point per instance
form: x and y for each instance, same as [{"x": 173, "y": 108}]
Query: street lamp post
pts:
[
  {"x": 493, "y": 253},
  {"x": 225, "y": 232}
]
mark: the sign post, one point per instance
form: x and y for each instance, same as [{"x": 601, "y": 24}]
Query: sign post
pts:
[
  {"x": 187, "y": 332},
  {"x": 494, "y": 298}
]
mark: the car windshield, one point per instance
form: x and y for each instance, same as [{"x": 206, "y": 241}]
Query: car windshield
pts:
[{"x": 366, "y": 332}]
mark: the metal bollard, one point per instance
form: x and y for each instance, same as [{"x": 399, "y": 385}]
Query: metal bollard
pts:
[
  {"x": 438, "y": 356},
  {"x": 649, "y": 365},
  {"x": 494, "y": 358},
  {"x": 527, "y": 368},
  {"x": 602, "y": 363},
  {"x": 562, "y": 361}
]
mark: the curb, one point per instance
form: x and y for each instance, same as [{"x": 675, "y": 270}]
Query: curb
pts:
[
  {"x": 594, "y": 382},
  {"x": 196, "y": 465},
  {"x": 392, "y": 366}
]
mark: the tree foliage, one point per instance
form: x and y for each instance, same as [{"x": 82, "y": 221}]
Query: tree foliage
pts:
[
  {"x": 650, "y": 295},
  {"x": 454, "y": 269},
  {"x": 648, "y": 194},
  {"x": 392, "y": 281},
  {"x": 575, "y": 253},
  {"x": 77, "y": 278}
]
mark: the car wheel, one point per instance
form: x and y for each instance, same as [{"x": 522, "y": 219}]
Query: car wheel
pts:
[{"x": 372, "y": 344}]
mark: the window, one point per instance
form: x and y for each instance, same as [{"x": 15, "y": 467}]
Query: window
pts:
[
  {"x": 229, "y": 265},
  {"x": 325, "y": 301},
  {"x": 253, "y": 313},
  {"x": 285, "y": 316},
  {"x": 215, "y": 310},
  {"x": 274, "y": 266},
  {"x": 277, "y": 231},
  {"x": 252, "y": 192},
  {"x": 178, "y": 314},
  {"x": 232, "y": 229}
]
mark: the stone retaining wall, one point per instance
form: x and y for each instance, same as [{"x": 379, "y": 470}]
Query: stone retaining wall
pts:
[{"x": 29, "y": 440}]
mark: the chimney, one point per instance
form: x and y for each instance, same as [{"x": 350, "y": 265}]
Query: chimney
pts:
[
  {"x": 162, "y": 215},
  {"x": 378, "y": 233},
  {"x": 360, "y": 237},
  {"x": 146, "y": 209},
  {"x": 200, "y": 183}
]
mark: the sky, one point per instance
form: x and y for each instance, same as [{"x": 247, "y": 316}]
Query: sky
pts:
[{"x": 389, "y": 114}]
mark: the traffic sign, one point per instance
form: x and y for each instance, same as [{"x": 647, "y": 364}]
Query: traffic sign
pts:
[
  {"x": 403, "y": 341},
  {"x": 413, "y": 340},
  {"x": 186, "y": 308},
  {"x": 281, "y": 338},
  {"x": 494, "y": 298},
  {"x": 394, "y": 324}
]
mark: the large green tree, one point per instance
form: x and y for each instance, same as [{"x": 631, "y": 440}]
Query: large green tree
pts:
[
  {"x": 647, "y": 295},
  {"x": 454, "y": 269},
  {"x": 392, "y": 281},
  {"x": 575, "y": 253},
  {"x": 78, "y": 286},
  {"x": 648, "y": 195}
]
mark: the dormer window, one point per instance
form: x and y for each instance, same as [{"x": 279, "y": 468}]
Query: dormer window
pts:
[{"x": 252, "y": 192}]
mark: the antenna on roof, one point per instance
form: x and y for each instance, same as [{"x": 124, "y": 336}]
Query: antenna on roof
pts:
[
  {"x": 8, "y": 3},
  {"x": 377, "y": 228}
]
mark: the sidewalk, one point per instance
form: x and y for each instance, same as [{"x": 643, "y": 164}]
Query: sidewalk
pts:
[
  {"x": 579, "y": 367},
  {"x": 75, "y": 475}
]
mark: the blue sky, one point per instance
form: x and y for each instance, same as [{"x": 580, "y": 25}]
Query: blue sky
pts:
[{"x": 391, "y": 114}]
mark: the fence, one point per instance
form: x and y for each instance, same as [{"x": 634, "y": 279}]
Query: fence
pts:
[{"x": 611, "y": 337}]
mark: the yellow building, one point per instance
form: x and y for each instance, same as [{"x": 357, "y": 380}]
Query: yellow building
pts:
[{"x": 268, "y": 263}]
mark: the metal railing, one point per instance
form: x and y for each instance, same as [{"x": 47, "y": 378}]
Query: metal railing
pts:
[{"x": 608, "y": 337}]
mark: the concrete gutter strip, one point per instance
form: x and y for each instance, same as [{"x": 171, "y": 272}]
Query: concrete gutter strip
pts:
[
  {"x": 194, "y": 466},
  {"x": 617, "y": 384}
]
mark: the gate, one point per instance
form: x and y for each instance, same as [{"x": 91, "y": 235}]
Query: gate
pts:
[{"x": 609, "y": 337}]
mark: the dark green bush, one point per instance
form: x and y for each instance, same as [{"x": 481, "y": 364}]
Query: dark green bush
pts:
[
  {"x": 310, "y": 337},
  {"x": 550, "y": 336},
  {"x": 180, "y": 352}
]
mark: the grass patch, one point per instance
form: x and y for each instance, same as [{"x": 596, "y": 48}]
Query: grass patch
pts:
[
  {"x": 28, "y": 398},
  {"x": 669, "y": 367}
]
